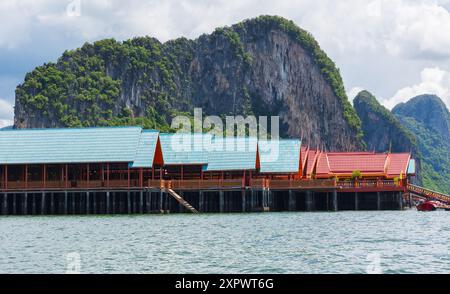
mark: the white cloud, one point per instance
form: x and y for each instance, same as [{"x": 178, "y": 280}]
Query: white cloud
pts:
[
  {"x": 5, "y": 123},
  {"x": 420, "y": 29},
  {"x": 353, "y": 92},
  {"x": 6, "y": 109},
  {"x": 6, "y": 113},
  {"x": 433, "y": 81},
  {"x": 380, "y": 44},
  {"x": 413, "y": 28}
]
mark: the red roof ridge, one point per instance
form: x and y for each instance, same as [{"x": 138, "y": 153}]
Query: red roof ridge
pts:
[
  {"x": 387, "y": 163},
  {"x": 328, "y": 162}
]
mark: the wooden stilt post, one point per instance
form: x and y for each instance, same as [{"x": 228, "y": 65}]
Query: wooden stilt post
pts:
[
  {"x": 200, "y": 201},
  {"x": 356, "y": 201},
  {"x": 400, "y": 200},
  {"x": 161, "y": 208},
  {"x": 113, "y": 201},
  {"x": 94, "y": 203},
  {"x": 269, "y": 199},
  {"x": 252, "y": 199},
  {"x": 14, "y": 199},
  {"x": 328, "y": 201},
  {"x": 73, "y": 203},
  {"x": 378, "y": 201},
  {"x": 25, "y": 203},
  {"x": 150, "y": 201},
  {"x": 263, "y": 197},
  {"x": 33, "y": 204},
  {"x": 141, "y": 202},
  {"x": 146, "y": 195},
  {"x": 243, "y": 200},
  {"x": 128, "y": 202},
  {"x": 292, "y": 201},
  {"x": 88, "y": 202},
  {"x": 108, "y": 201},
  {"x": 43, "y": 203},
  {"x": 121, "y": 203},
  {"x": 221, "y": 201},
  {"x": 66, "y": 201},
  {"x": 309, "y": 201},
  {"x": 335, "y": 200},
  {"x": 52, "y": 203}
]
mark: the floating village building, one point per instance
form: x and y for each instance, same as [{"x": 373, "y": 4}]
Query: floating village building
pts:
[{"x": 131, "y": 170}]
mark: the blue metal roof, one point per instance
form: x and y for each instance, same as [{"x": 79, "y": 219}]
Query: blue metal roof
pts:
[
  {"x": 280, "y": 156},
  {"x": 137, "y": 147},
  {"x": 185, "y": 148},
  {"x": 412, "y": 167},
  {"x": 232, "y": 153},
  {"x": 145, "y": 153},
  {"x": 82, "y": 145}
]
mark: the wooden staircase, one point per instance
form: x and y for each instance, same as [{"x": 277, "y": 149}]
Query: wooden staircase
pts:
[{"x": 181, "y": 201}]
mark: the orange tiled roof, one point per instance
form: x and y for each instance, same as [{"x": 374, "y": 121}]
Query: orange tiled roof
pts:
[
  {"x": 398, "y": 164},
  {"x": 311, "y": 163},
  {"x": 368, "y": 163},
  {"x": 303, "y": 157}
]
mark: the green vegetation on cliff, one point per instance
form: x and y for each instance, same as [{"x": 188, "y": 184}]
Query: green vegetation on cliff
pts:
[
  {"x": 83, "y": 87},
  {"x": 427, "y": 117}
]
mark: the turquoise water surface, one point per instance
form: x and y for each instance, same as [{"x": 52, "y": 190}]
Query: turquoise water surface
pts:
[{"x": 342, "y": 242}]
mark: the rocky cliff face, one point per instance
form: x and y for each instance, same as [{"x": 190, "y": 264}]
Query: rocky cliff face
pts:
[
  {"x": 263, "y": 66},
  {"x": 427, "y": 117},
  {"x": 383, "y": 132}
]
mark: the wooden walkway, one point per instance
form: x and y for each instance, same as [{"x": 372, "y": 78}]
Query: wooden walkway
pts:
[{"x": 429, "y": 194}]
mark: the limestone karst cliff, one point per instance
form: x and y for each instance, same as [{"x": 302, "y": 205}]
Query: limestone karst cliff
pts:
[{"x": 262, "y": 66}]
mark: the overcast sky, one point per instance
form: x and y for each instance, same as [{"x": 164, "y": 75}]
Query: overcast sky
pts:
[{"x": 396, "y": 49}]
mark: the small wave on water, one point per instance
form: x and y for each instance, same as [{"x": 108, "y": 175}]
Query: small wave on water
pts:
[{"x": 344, "y": 242}]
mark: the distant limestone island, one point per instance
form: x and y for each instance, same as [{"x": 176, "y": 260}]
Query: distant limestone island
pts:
[
  {"x": 421, "y": 125},
  {"x": 262, "y": 66}
]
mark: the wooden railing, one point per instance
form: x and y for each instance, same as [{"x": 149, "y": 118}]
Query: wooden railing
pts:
[
  {"x": 240, "y": 184},
  {"x": 70, "y": 185},
  {"x": 275, "y": 184},
  {"x": 368, "y": 184},
  {"x": 197, "y": 184},
  {"x": 300, "y": 184},
  {"x": 258, "y": 183}
]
